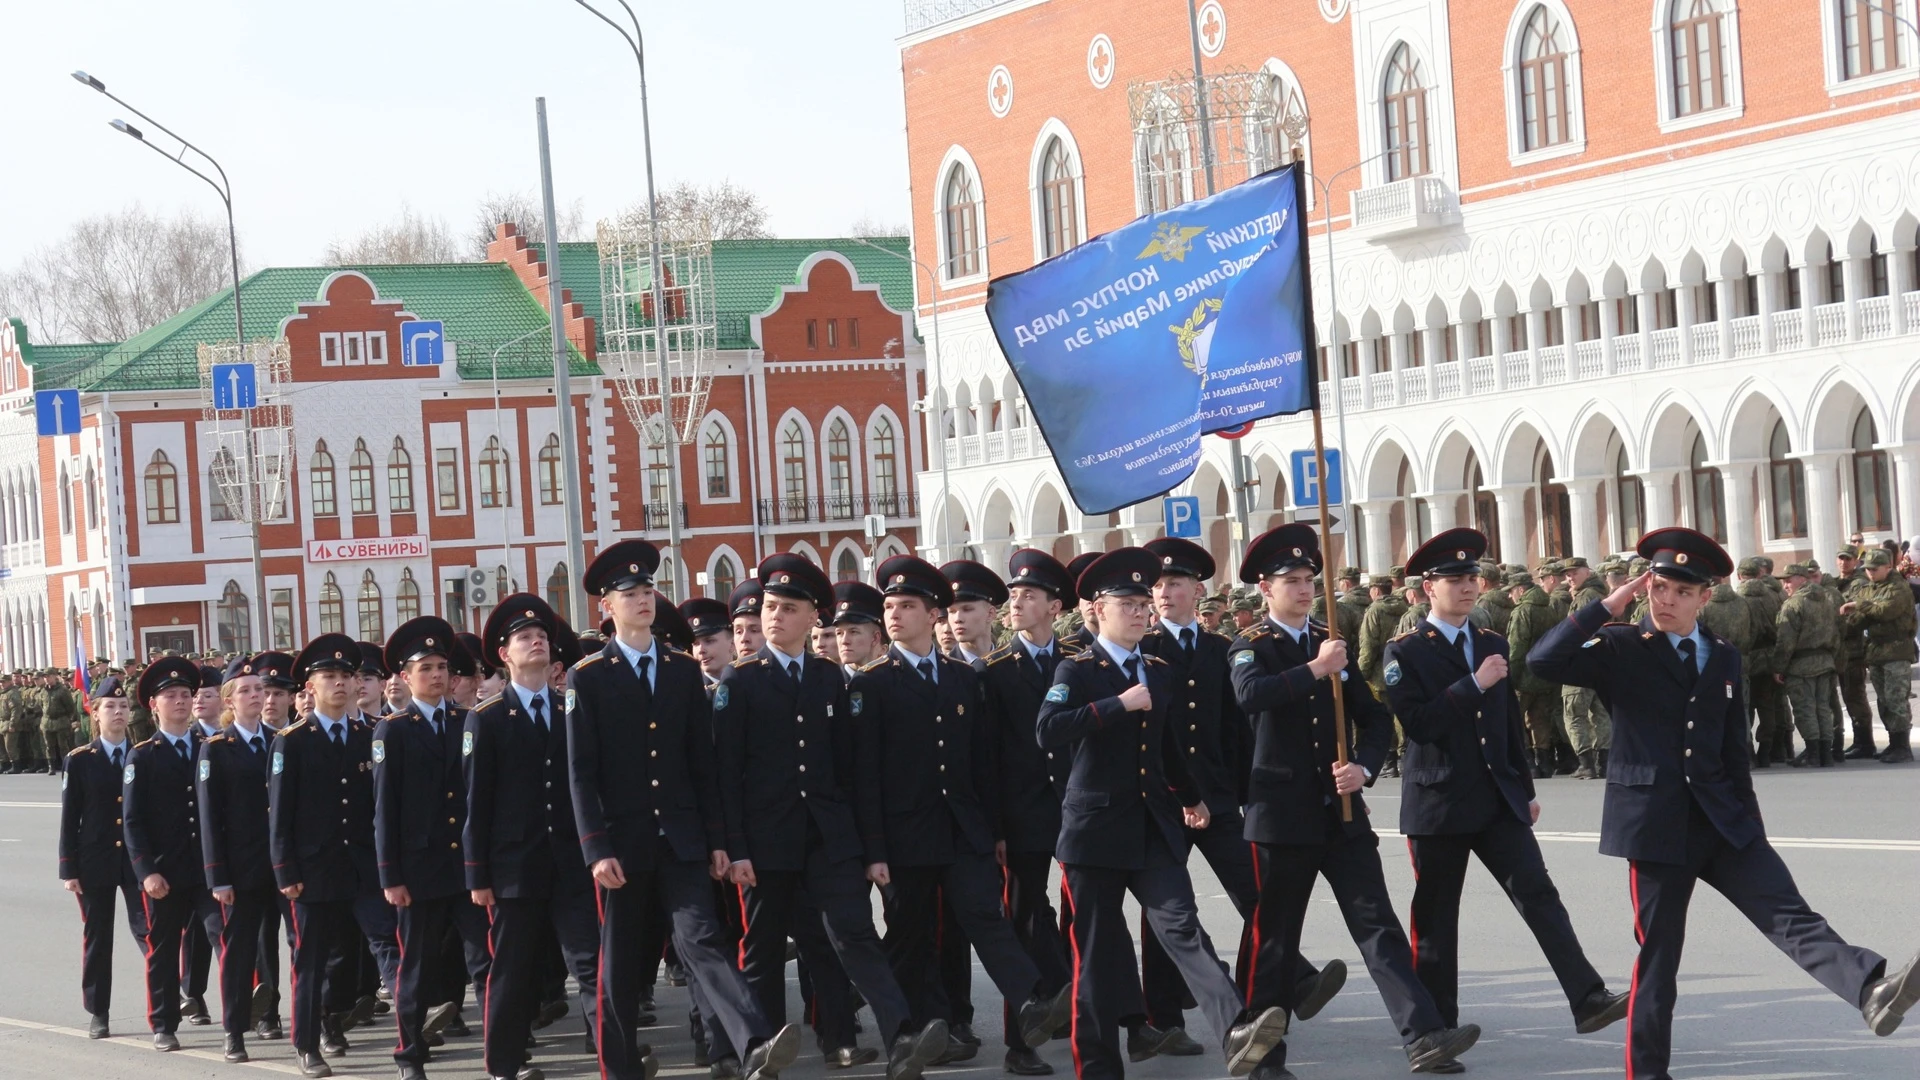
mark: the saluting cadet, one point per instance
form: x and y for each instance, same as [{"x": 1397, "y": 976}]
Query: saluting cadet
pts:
[
  {"x": 323, "y": 863},
  {"x": 163, "y": 836},
  {"x": 93, "y": 852},
  {"x": 858, "y": 609},
  {"x": 926, "y": 760},
  {"x": 1218, "y": 744},
  {"x": 1282, "y": 671},
  {"x": 418, "y": 805},
  {"x": 709, "y": 620},
  {"x": 1467, "y": 788},
  {"x": 523, "y": 862},
  {"x": 785, "y": 741},
  {"x": 1680, "y": 805},
  {"x": 232, "y": 787},
  {"x": 745, "y": 605},
  {"x": 652, "y": 824},
  {"x": 1122, "y": 827},
  {"x": 1032, "y": 778}
]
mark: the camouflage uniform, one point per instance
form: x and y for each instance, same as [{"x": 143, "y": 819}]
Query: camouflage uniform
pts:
[
  {"x": 27, "y": 718},
  {"x": 1885, "y": 609},
  {"x": 1496, "y": 608},
  {"x": 1764, "y": 696},
  {"x": 1803, "y": 653},
  {"x": 1376, "y": 629},
  {"x": 1588, "y": 727},
  {"x": 1850, "y": 667},
  {"x": 59, "y": 724},
  {"x": 11, "y": 742},
  {"x": 1532, "y": 618},
  {"x": 1729, "y": 615},
  {"x": 1412, "y": 618}
]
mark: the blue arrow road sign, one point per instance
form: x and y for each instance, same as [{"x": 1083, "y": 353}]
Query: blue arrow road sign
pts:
[
  {"x": 1182, "y": 514},
  {"x": 235, "y": 386},
  {"x": 422, "y": 343},
  {"x": 1306, "y": 480},
  {"x": 57, "y": 412}
]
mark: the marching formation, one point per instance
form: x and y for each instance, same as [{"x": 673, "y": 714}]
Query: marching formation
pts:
[{"x": 706, "y": 791}]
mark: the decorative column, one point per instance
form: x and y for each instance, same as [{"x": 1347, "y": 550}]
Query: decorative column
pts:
[
  {"x": 1905, "y": 459},
  {"x": 1434, "y": 351},
  {"x": 1366, "y": 379},
  {"x": 1643, "y": 310},
  {"x": 1510, "y": 506},
  {"x": 1377, "y": 517},
  {"x": 1658, "y": 484},
  {"x": 1901, "y": 267},
  {"x": 1809, "y": 333},
  {"x": 1441, "y": 506},
  {"x": 1737, "y": 479},
  {"x": 1851, "y": 271},
  {"x": 1500, "y": 346},
  {"x": 1723, "y": 306},
  {"x": 1609, "y": 328},
  {"x": 1585, "y": 524},
  {"x": 1823, "y": 503},
  {"x": 1683, "y": 317},
  {"x": 1536, "y": 334},
  {"x": 1768, "y": 305}
]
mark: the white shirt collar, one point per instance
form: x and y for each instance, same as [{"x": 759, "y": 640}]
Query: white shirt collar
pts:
[
  {"x": 1297, "y": 634},
  {"x": 1446, "y": 628},
  {"x": 783, "y": 659},
  {"x": 428, "y": 709},
  {"x": 1174, "y": 628},
  {"x": 241, "y": 727},
  {"x": 964, "y": 654},
  {"x": 113, "y": 747},
  {"x": 527, "y": 695},
  {"x": 327, "y": 723},
  {"x": 1035, "y": 650},
  {"x": 1700, "y": 646},
  {"x": 633, "y": 655},
  {"x": 1120, "y": 655}
]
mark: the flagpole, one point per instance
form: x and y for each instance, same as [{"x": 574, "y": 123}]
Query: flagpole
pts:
[{"x": 1312, "y": 349}]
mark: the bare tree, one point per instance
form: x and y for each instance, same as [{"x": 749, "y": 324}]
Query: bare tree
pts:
[
  {"x": 115, "y": 275},
  {"x": 523, "y": 209},
  {"x": 708, "y": 212},
  {"x": 414, "y": 238},
  {"x": 868, "y": 225}
]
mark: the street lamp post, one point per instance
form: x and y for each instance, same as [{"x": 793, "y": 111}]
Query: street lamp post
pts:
[{"x": 224, "y": 188}]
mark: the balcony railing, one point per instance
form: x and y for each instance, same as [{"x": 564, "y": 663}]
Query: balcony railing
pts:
[
  {"x": 924, "y": 13},
  {"x": 817, "y": 509},
  {"x": 1404, "y": 206},
  {"x": 657, "y": 515}
]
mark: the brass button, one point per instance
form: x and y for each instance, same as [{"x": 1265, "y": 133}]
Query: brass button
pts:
[
  {"x": 653, "y": 753},
  {"x": 940, "y": 742},
  {"x": 1143, "y": 772},
  {"x": 549, "y": 783},
  {"x": 943, "y": 791},
  {"x": 343, "y": 780},
  {"x": 1049, "y": 755},
  {"x": 455, "y": 845},
  {"x": 1193, "y": 749},
  {"x": 651, "y": 726},
  {"x": 656, "y": 783},
  {"x": 1483, "y": 742},
  {"x": 801, "y": 719},
  {"x": 450, "y": 821},
  {"x": 1192, "y": 705},
  {"x": 116, "y": 843},
  {"x": 118, "y": 821},
  {"x": 803, "y": 794},
  {"x": 943, "y": 768},
  {"x": 1689, "y": 725},
  {"x": 1189, "y": 682},
  {"x": 343, "y": 802}
]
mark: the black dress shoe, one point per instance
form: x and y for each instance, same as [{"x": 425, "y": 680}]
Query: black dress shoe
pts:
[
  {"x": 528, "y": 1073},
  {"x": 361, "y": 1012},
  {"x": 97, "y": 1028},
  {"x": 1264, "y": 1071},
  {"x": 765, "y": 1061},
  {"x": 1599, "y": 1009},
  {"x": 270, "y": 1029},
  {"x": 332, "y": 1042},
  {"x": 411, "y": 1070},
  {"x": 438, "y": 1018},
  {"x": 962, "y": 1032},
  {"x": 1332, "y": 978},
  {"x": 1248, "y": 1043},
  {"x": 1037, "y": 1019},
  {"x": 727, "y": 1068},
  {"x": 1437, "y": 1048},
  {"x": 194, "y": 1011},
  {"x": 236, "y": 1048},
  {"x": 848, "y": 1057},
  {"x": 676, "y": 975},
  {"x": 457, "y": 1026},
  {"x": 1026, "y": 1063},
  {"x": 314, "y": 1065},
  {"x": 1446, "y": 1068},
  {"x": 549, "y": 1012},
  {"x": 165, "y": 1041},
  {"x": 913, "y": 1051},
  {"x": 962, "y": 1044},
  {"x": 1143, "y": 1042},
  {"x": 647, "y": 1003},
  {"x": 1180, "y": 1044},
  {"x": 1888, "y": 999},
  {"x": 261, "y": 1005},
  {"x": 702, "y": 1053}
]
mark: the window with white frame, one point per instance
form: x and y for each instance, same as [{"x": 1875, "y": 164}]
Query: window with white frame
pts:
[
  {"x": 1162, "y": 160},
  {"x": 1543, "y": 79},
  {"x": 960, "y": 223},
  {"x": 1869, "y": 43},
  {"x": 1404, "y": 112},
  {"x": 1697, "y": 60},
  {"x": 1059, "y": 200},
  {"x": 717, "y": 462}
]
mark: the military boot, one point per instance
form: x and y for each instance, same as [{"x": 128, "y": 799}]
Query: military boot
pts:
[
  {"x": 1897, "y": 751},
  {"x": 1585, "y": 771},
  {"x": 1862, "y": 743},
  {"x": 1600, "y": 765}
]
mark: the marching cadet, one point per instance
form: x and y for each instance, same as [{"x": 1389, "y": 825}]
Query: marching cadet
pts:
[
  {"x": 276, "y": 687},
  {"x": 744, "y": 602},
  {"x": 1884, "y": 607},
  {"x": 652, "y": 823},
  {"x": 1764, "y": 694},
  {"x": 198, "y": 942},
  {"x": 325, "y": 865},
  {"x": 59, "y": 722},
  {"x": 1803, "y": 662},
  {"x": 163, "y": 836},
  {"x": 858, "y": 609},
  {"x": 93, "y": 853},
  {"x": 232, "y": 787},
  {"x": 370, "y": 700},
  {"x": 418, "y": 806},
  {"x": 466, "y": 668},
  {"x": 1682, "y": 807},
  {"x": 1032, "y": 779},
  {"x": 1468, "y": 788},
  {"x": 523, "y": 861},
  {"x": 709, "y": 620},
  {"x": 1204, "y": 718},
  {"x": 978, "y": 593},
  {"x": 783, "y": 730},
  {"x": 1282, "y": 671},
  {"x": 926, "y": 831},
  {"x": 275, "y": 672},
  {"x": 1128, "y": 802}
]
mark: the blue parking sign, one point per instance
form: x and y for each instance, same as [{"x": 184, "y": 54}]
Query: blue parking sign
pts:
[
  {"x": 1306, "y": 478},
  {"x": 1182, "y": 516}
]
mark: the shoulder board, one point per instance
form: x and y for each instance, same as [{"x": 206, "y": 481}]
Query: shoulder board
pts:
[
  {"x": 1154, "y": 629},
  {"x": 148, "y": 741},
  {"x": 1315, "y": 624},
  {"x": 1083, "y": 654},
  {"x": 78, "y": 750},
  {"x": 1402, "y": 637},
  {"x": 1256, "y": 631},
  {"x": 1617, "y": 622},
  {"x": 682, "y": 653},
  {"x": 875, "y": 665},
  {"x": 588, "y": 661},
  {"x": 1152, "y": 659},
  {"x": 1004, "y": 652},
  {"x": 748, "y": 661},
  {"x": 296, "y": 727},
  {"x": 489, "y": 703}
]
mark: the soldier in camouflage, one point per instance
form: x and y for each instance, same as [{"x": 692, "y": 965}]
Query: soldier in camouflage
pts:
[
  {"x": 27, "y": 716},
  {"x": 59, "y": 722},
  {"x": 12, "y": 740},
  {"x": 1532, "y": 618},
  {"x": 1765, "y": 698},
  {"x": 1495, "y": 607},
  {"x": 1588, "y": 727},
  {"x": 1884, "y": 610},
  {"x": 1850, "y": 658},
  {"x": 1803, "y": 662},
  {"x": 1730, "y": 616},
  {"x": 1379, "y": 626}
]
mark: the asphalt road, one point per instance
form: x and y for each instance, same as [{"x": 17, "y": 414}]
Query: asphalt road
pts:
[{"x": 1849, "y": 835}]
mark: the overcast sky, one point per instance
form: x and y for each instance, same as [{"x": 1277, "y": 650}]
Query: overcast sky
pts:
[{"x": 330, "y": 116}]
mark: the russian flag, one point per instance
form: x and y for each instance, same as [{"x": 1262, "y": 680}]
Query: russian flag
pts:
[{"x": 82, "y": 680}]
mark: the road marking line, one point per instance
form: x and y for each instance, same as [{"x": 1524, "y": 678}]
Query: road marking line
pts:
[
  {"x": 198, "y": 1055},
  {"x": 31, "y": 805},
  {"x": 1818, "y": 843}
]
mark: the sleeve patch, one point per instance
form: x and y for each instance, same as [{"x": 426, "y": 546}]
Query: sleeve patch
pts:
[
  {"x": 1590, "y": 643},
  {"x": 855, "y": 701},
  {"x": 206, "y": 769},
  {"x": 1392, "y": 673},
  {"x": 720, "y": 696},
  {"x": 466, "y": 744},
  {"x": 1244, "y": 656},
  {"x": 1058, "y": 693},
  {"x": 279, "y": 762},
  {"x": 127, "y": 776},
  {"x": 571, "y": 698},
  {"x": 379, "y": 751}
]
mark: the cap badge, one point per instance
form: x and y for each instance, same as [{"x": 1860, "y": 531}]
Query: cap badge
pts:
[
  {"x": 1136, "y": 575},
  {"x": 899, "y": 579},
  {"x": 1166, "y": 560},
  {"x": 845, "y": 604},
  {"x": 1459, "y": 554},
  {"x": 1680, "y": 558},
  {"x": 1296, "y": 551},
  {"x": 338, "y": 655},
  {"x": 528, "y": 615},
  {"x": 429, "y": 641},
  {"x": 784, "y": 579}
]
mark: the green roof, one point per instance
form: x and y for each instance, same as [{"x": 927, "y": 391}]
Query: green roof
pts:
[{"x": 482, "y": 304}]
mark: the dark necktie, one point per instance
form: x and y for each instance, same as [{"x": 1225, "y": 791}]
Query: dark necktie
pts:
[
  {"x": 1687, "y": 661},
  {"x": 433, "y": 719},
  {"x": 1043, "y": 660},
  {"x": 646, "y": 688},
  {"x": 257, "y": 744},
  {"x": 339, "y": 734},
  {"x": 793, "y": 671},
  {"x": 926, "y": 669},
  {"x": 1186, "y": 641},
  {"x": 1133, "y": 669},
  {"x": 180, "y": 747},
  {"x": 538, "y": 705},
  {"x": 1460, "y": 646},
  {"x": 119, "y": 757}
]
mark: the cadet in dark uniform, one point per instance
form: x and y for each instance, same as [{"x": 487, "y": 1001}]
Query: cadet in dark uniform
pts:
[
  {"x": 198, "y": 942},
  {"x": 926, "y": 763},
  {"x": 1219, "y": 746},
  {"x": 652, "y": 824},
  {"x": 275, "y": 671},
  {"x": 163, "y": 836},
  {"x": 419, "y": 804},
  {"x": 1467, "y": 788},
  {"x": 1680, "y": 805},
  {"x": 711, "y": 625},
  {"x": 785, "y": 743},
  {"x": 1122, "y": 827},
  {"x": 1282, "y": 669},
  {"x": 323, "y": 863},
  {"x": 745, "y": 605},
  {"x": 523, "y": 861},
  {"x": 858, "y": 611},
  {"x": 93, "y": 852},
  {"x": 232, "y": 787}
]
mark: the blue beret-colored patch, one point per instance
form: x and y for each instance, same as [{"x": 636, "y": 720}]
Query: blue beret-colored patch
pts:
[
  {"x": 279, "y": 762},
  {"x": 1058, "y": 693},
  {"x": 720, "y": 696},
  {"x": 1244, "y": 656},
  {"x": 1393, "y": 673}
]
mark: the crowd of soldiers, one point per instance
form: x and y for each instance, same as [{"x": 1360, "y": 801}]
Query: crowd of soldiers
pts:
[{"x": 711, "y": 789}]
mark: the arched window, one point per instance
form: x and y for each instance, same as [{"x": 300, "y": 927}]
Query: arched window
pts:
[
  {"x": 235, "y": 625},
  {"x": 961, "y": 218},
  {"x": 1556, "y": 512},
  {"x": 560, "y": 591},
  {"x": 1709, "y": 494},
  {"x": 1405, "y": 114},
  {"x": 719, "y": 462},
  {"x": 839, "y": 470},
  {"x": 399, "y": 478},
  {"x": 1632, "y": 495},
  {"x": 320, "y": 484},
  {"x": 222, "y": 467},
  {"x": 163, "y": 490},
  {"x": 1162, "y": 161},
  {"x": 1872, "y": 502},
  {"x": 1058, "y": 215},
  {"x": 1869, "y": 37},
  {"x": 66, "y": 502},
  {"x": 884, "y": 485},
  {"x": 551, "y": 474},
  {"x": 1695, "y": 37},
  {"x": 406, "y": 597},
  {"x": 495, "y": 483},
  {"x": 360, "y": 481},
  {"x": 725, "y": 578},
  {"x": 1545, "y": 111},
  {"x": 92, "y": 494},
  {"x": 1788, "y": 485},
  {"x": 664, "y": 584},
  {"x": 793, "y": 471},
  {"x": 333, "y": 616},
  {"x": 1282, "y": 123},
  {"x": 371, "y": 626},
  {"x": 659, "y": 480},
  {"x": 847, "y": 566}
]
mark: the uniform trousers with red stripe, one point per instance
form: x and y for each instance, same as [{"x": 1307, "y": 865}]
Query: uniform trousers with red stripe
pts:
[
  {"x": 239, "y": 928},
  {"x": 969, "y": 886},
  {"x": 1036, "y": 926},
  {"x": 518, "y": 935},
  {"x": 824, "y": 987},
  {"x": 423, "y": 979},
  {"x": 168, "y": 919},
  {"x": 319, "y": 928},
  {"x": 1756, "y": 881}
]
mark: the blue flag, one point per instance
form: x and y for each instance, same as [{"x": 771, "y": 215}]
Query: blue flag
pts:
[{"x": 1133, "y": 345}]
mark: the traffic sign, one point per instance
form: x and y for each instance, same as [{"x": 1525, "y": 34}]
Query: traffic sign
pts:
[
  {"x": 1237, "y": 431},
  {"x": 1306, "y": 481},
  {"x": 1182, "y": 516},
  {"x": 422, "y": 343},
  {"x": 235, "y": 386},
  {"x": 1335, "y": 524},
  {"x": 57, "y": 412}
]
